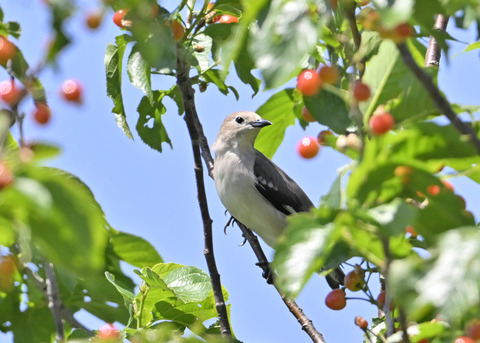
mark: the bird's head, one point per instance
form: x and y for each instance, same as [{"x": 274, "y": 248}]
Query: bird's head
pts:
[{"x": 239, "y": 129}]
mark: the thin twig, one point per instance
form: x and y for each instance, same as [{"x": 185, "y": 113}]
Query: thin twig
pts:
[
  {"x": 54, "y": 302},
  {"x": 403, "y": 324},
  {"x": 305, "y": 322},
  {"x": 191, "y": 119},
  {"x": 357, "y": 37},
  {"x": 388, "y": 299},
  {"x": 438, "y": 99},
  {"x": 74, "y": 323},
  {"x": 432, "y": 57}
]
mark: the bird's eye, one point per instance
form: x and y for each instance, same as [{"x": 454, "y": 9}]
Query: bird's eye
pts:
[{"x": 239, "y": 120}]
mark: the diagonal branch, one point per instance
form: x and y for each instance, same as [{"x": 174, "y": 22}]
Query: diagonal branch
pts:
[
  {"x": 305, "y": 322},
  {"x": 54, "y": 302},
  {"x": 438, "y": 99},
  {"x": 194, "y": 129}
]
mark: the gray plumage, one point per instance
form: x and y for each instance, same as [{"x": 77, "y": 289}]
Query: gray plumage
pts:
[{"x": 254, "y": 190}]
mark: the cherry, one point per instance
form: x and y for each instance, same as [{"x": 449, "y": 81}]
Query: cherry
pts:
[
  {"x": 365, "y": 2},
  {"x": 94, "y": 19},
  {"x": 7, "y": 50},
  {"x": 7, "y": 268},
  {"x": 42, "y": 113},
  {"x": 336, "y": 300},
  {"x": 328, "y": 74},
  {"x": 464, "y": 339},
  {"x": 308, "y": 147},
  {"x": 108, "y": 332},
  {"x": 177, "y": 29},
  {"x": 361, "y": 322},
  {"x": 308, "y": 82},
  {"x": 473, "y": 329},
  {"x": 9, "y": 92},
  {"x": 411, "y": 230},
  {"x": 433, "y": 190},
  {"x": 381, "y": 300},
  {"x": 353, "y": 141},
  {"x": 307, "y": 115},
  {"x": 227, "y": 19},
  {"x": 361, "y": 91},
  {"x": 403, "y": 173},
  {"x": 72, "y": 90},
  {"x": 322, "y": 137},
  {"x": 381, "y": 123},
  {"x": 118, "y": 18},
  {"x": 6, "y": 175},
  {"x": 354, "y": 280}
]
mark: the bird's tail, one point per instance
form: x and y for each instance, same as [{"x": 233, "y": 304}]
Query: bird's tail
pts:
[{"x": 335, "y": 278}]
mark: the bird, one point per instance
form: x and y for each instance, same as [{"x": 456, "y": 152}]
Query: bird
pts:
[{"x": 253, "y": 189}]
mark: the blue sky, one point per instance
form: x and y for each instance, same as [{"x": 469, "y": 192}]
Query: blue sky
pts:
[{"x": 154, "y": 196}]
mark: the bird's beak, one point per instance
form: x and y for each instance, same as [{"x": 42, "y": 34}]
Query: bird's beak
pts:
[{"x": 260, "y": 123}]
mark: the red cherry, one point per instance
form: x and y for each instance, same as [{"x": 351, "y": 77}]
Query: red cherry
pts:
[
  {"x": 361, "y": 91},
  {"x": 433, "y": 190},
  {"x": 473, "y": 329},
  {"x": 118, "y": 17},
  {"x": 227, "y": 19},
  {"x": 328, "y": 74},
  {"x": 9, "y": 92},
  {"x": 336, "y": 300},
  {"x": 308, "y": 82},
  {"x": 42, "y": 113},
  {"x": 322, "y": 137},
  {"x": 307, "y": 115},
  {"x": 464, "y": 339},
  {"x": 6, "y": 175},
  {"x": 381, "y": 123},
  {"x": 308, "y": 147},
  {"x": 404, "y": 30},
  {"x": 177, "y": 29},
  {"x": 7, "y": 50},
  {"x": 410, "y": 230},
  {"x": 108, "y": 332},
  {"x": 72, "y": 90},
  {"x": 403, "y": 173},
  {"x": 361, "y": 322}
]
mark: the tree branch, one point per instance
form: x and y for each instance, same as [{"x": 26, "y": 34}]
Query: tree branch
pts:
[
  {"x": 432, "y": 57},
  {"x": 305, "y": 322},
  {"x": 54, "y": 302},
  {"x": 438, "y": 99},
  {"x": 198, "y": 139}
]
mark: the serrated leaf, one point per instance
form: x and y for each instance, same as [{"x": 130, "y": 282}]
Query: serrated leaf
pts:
[
  {"x": 392, "y": 84},
  {"x": 279, "y": 47},
  {"x": 134, "y": 250},
  {"x": 394, "y": 216},
  {"x": 279, "y": 109},
  {"x": 447, "y": 283},
  {"x": 190, "y": 284},
  {"x": 126, "y": 294},
  {"x": 138, "y": 71},
  {"x": 150, "y": 127},
  {"x": 201, "y": 58},
  {"x": 113, "y": 69},
  {"x": 330, "y": 110}
]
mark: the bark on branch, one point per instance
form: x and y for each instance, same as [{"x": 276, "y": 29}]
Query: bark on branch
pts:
[
  {"x": 432, "y": 57},
  {"x": 198, "y": 140}
]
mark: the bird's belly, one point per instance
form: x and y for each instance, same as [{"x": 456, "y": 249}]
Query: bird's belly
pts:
[{"x": 247, "y": 205}]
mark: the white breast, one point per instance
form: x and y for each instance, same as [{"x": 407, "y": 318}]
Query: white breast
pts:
[{"x": 234, "y": 181}]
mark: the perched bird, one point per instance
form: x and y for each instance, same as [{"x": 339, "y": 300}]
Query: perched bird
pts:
[{"x": 255, "y": 190}]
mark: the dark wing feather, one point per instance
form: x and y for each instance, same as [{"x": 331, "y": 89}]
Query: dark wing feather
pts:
[{"x": 278, "y": 188}]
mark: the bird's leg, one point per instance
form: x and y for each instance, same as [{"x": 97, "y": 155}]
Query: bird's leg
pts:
[{"x": 233, "y": 221}]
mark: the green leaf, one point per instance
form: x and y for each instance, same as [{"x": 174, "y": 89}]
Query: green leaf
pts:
[
  {"x": 394, "y": 216},
  {"x": 244, "y": 65},
  {"x": 446, "y": 283},
  {"x": 7, "y": 232},
  {"x": 330, "y": 110},
  {"x": 472, "y": 46},
  {"x": 45, "y": 151},
  {"x": 216, "y": 77},
  {"x": 394, "y": 12},
  {"x": 335, "y": 197},
  {"x": 66, "y": 222},
  {"x": 280, "y": 47},
  {"x": 113, "y": 68},
  {"x": 150, "y": 127},
  {"x": 139, "y": 72},
  {"x": 279, "y": 109},
  {"x": 134, "y": 250},
  {"x": 126, "y": 294},
  {"x": 201, "y": 59},
  {"x": 392, "y": 84},
  {"x": 190, "y": 284},
  {"x": 303, "y": 249},
  {"x": 419, "y": 332}
]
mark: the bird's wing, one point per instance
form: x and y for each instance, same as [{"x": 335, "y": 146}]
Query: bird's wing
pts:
[{"x": 278, "y": 188}]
